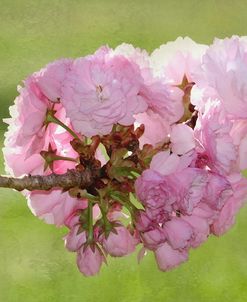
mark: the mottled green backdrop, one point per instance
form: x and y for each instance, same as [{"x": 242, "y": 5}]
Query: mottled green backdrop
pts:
[{"x": 33, "y": 263}]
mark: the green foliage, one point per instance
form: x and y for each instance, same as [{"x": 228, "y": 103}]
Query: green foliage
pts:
[{"x": 34, "y": 266}]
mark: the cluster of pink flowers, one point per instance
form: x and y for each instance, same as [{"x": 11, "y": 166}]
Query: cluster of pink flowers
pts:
[{"x": 192, "y": 101}]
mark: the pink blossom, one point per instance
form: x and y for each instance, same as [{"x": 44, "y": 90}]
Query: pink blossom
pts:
[
  {"x": 163, "y": 100},
  {"x": 156, "y": 128},
  {"x": 142, "y": 221},
  {"x": 27, "y": 136},
  {"x": 50, "y": 79},
  {"x": 137, "y": 55},
  {"x": 54, "y": 207},
  {"x": 213, "y": 134},
  {"x": 101, "y": 90},
  {"x": 227, "y": 215},
  {"x": 89, "y": 260},
  {"x": 178, "y": 233},
  {"x": 239, "y": 135},
  {"x": 178, "y": 58},
  {"x": 155, "y": 191},
  {"x": 120, "y": 244},
  {"x": 204, "y": 211},
  {"x": 224, "y": 71},
  {"x": 200, "y": 229},
  {"x": 167, "y": 186},
  {"x": 182, "y": 139},
  {"x": 168, "y": 258},
  {"x": 153, "y": 237},
  {"x": 192, "y": 183},
  {"x": 75, "y": 239},
  {"x": 26, "y": 130},
  {"x": 166, "y": 164},
  {"x": 187, "y": 183},
  {"x": 217, "y": 191}
]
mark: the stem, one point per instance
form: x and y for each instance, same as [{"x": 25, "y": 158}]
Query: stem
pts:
[
  {"x": 65, "y": 158},
  {"x": 50, "y": 118},
  {"x": 104, "y": 217},
  {"x": 90, "y": 222},
  {"x": 126, "y": 203}
]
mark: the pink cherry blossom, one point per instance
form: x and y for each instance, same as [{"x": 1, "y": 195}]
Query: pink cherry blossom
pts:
[
  {"x": 227, "y": 215},
  {"x": 165, "y": 185},
  {"x": 26, "y": 130},
  {"x": 153, "y": 238},
  {"x": 178, "y": 233},
  {"x": 188, "y": 182},
  {"x": 224, "y": 71},
  {"x": 217, "y": 191},
  {"x": 200, "y": 228},
  {"x": 178, "y": 58},
  {"x": 75, "y": 239},
  {"x": 167, "y": 258},
  {"x": 27, "y": 135},
  {"x": 54, "y": 207},
  {"x": 163, "y": 100},
  {"x": 155, "y": 191},
  {"x": 89, "y": 260},
  {"x": 156, "y": 128},
  {"x": 137, "y": 55},
  {"x": 101, "y": 90},
  {"x": 215, "y": 142},
  {"x": 166, "y": 163},
  {"x": 120, "y": 243},
  {"x": 239, "y": 136},
  {"x": 182, "y": 139},
  {"x": 50, "y": 79}
]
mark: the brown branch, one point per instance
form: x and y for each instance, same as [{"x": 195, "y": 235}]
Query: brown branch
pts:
[{"x": 65, "y": 181}]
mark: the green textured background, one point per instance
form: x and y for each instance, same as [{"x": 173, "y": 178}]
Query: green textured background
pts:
[{"x": 34, "y": 265}]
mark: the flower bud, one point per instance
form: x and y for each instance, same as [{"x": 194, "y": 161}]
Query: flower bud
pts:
[
  {"x": 89, "y": 261},
  {"x": 120, "y": 244}
]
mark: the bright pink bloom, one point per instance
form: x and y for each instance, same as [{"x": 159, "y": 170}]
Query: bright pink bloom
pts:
[
  {"x": 170, "y": 185},
  {"x": 168, "y": 258},
  {"x": 75, "y": 239},
  {"x": 50, "y": 79},
  {"x": 101, "y": 90},
  {"x": 182, "y": 139},
  {"x": 137, "y": 55},
  {"x": 217, "y": 191},
  {"x": 213, "y": 133},
  {"x": 166, "y": 164},
  {"x": 224, "y": 71},
  {"x": 153, "y": 237},
  {"x": 178, "y": 58},
  {"x": 154, "y": 191},
  {"x": 120, "y": 244},
  {"x": 227, "y": 215},
  {"x": 164, "y": 109},
  {"x": 163, "y": 100},
  {"x": 89, "y": 261},
  {"x": 239, "y": 136},
  {"x": 161, "y": 97},
  {"x": 156, "y": 128},
  {"x": 54, "y": 207},
  {"x": 142, "y": 221},
  {"x": 27, "y": 135},
  {"x": 178, "y": 233},
  {"x": 200, "y": 229},
  {"x": 26, "y": 131}
]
